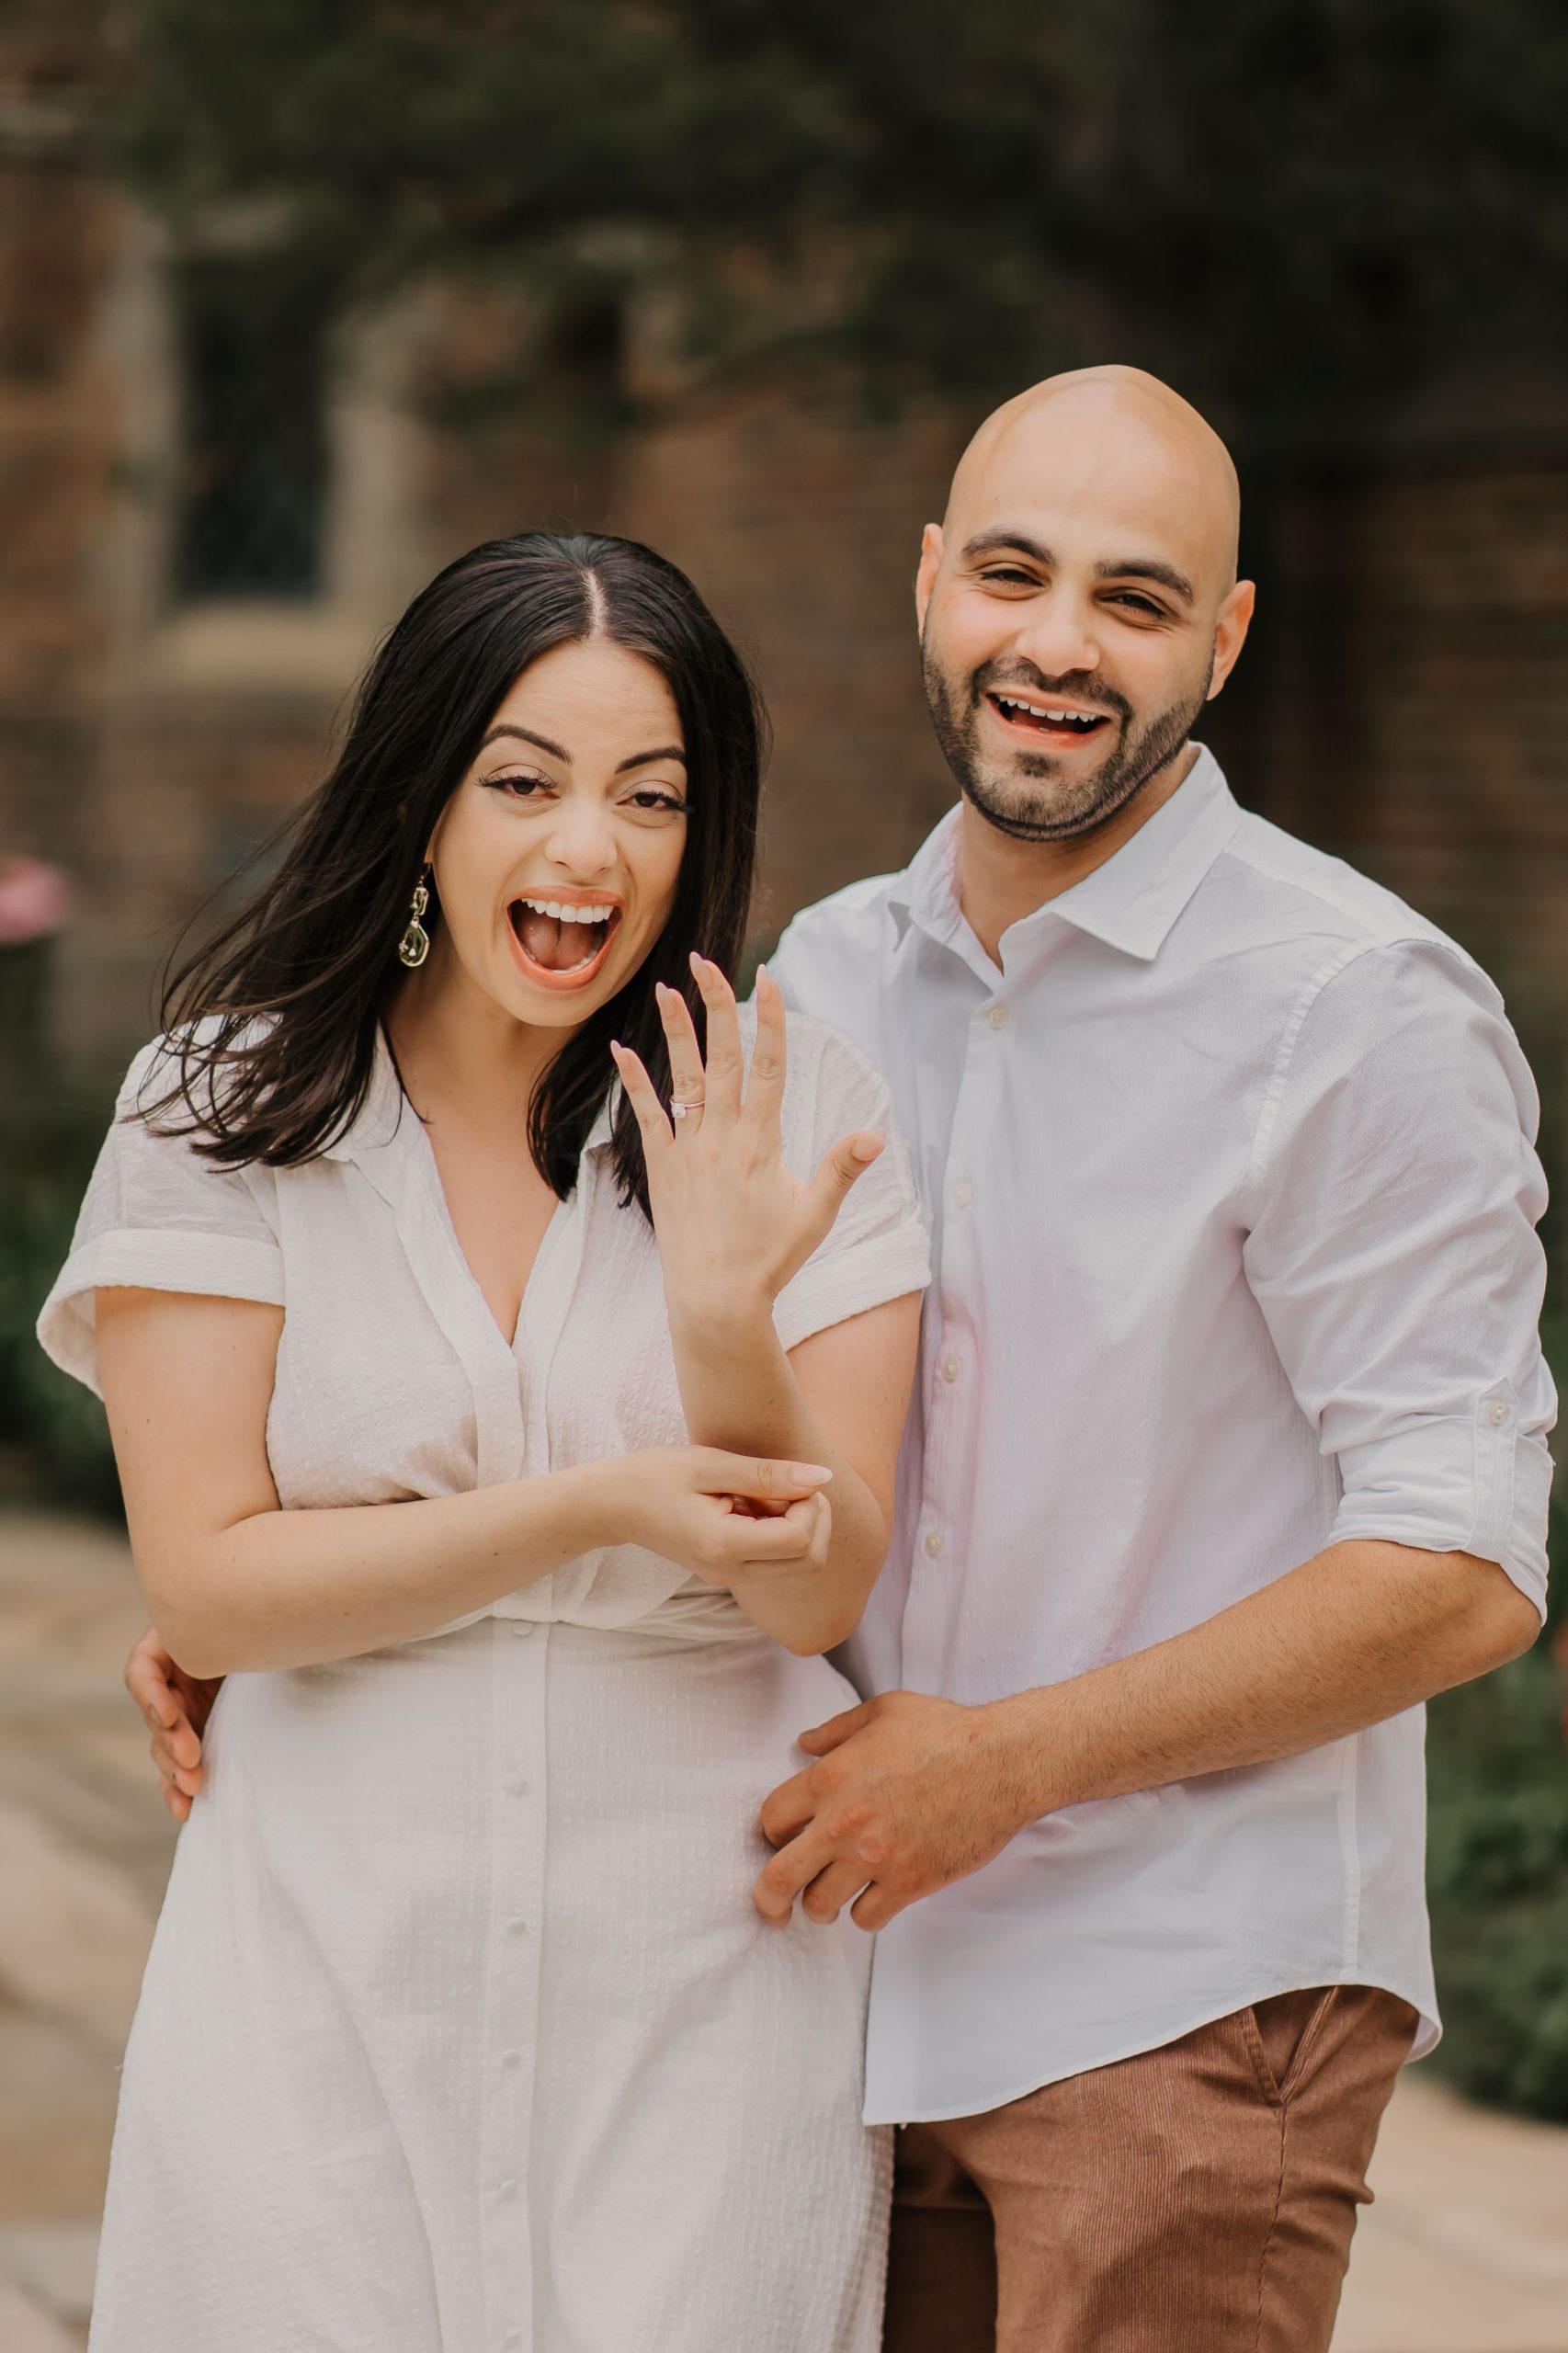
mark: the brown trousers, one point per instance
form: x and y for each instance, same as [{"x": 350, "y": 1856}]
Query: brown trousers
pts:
[{"x": 1197, "y": 2199}]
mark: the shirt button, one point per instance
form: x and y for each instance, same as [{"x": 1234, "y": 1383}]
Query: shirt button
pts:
[
  {"x": 951, "y": 1368},
  {"x": 514, "y": 1785},
  {"x": 512, "y": 2340},
  {"x": 515, "y": 1925},
  {"x": 508, "y": 2189},
  {"x": 522, "y": 1628},
  {"x": 963, "y": 1196},
  {"x": 934, "y": 1542},
  {"x": 1498, "y": 1415},
  {"x": 511, "y": 2058},
  {"x": 997, "y": 1017}
]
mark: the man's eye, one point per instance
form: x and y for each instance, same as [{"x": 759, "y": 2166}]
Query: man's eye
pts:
[
  {"x": 1139, "y": 604},
  {"x": 1008, "y": 576}
]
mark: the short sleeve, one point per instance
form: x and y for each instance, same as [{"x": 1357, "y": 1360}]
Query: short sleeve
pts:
[
  {"x": 878, "y": 1247},
  {"x": 1393, "y": 1253},
  {"x": 156, "y": 1216}
]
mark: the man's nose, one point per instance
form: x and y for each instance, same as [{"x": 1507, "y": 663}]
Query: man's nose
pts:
[{"x": 1059, "y": 635}]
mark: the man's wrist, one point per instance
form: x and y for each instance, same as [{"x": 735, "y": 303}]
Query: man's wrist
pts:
[{"x": 1025, "y": 1749}]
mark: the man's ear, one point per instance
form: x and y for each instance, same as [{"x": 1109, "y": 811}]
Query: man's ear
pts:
[
  {"x": 926, "y": 571},
  {"x": 1231, "y": 626}
]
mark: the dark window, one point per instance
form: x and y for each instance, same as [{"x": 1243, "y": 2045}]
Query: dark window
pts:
[{"x": 253, "y": 353}]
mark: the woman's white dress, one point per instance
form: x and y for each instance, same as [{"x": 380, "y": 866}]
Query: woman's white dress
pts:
[{"x": 459, "y": 2034}]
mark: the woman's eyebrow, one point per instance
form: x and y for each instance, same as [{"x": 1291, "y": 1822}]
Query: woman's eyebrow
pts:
[
  {"x": 645, "y": 759},
  {"x": 523, "y": 736}
]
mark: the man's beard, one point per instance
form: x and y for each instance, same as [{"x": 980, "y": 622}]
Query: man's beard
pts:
[{"x": 1056, "y": 810}]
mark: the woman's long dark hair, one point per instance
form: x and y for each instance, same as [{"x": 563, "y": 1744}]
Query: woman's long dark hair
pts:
[{"x": 289, "y": 994}]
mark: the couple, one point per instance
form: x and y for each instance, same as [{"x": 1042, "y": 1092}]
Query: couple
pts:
[{"x": 480, "y": 2015}]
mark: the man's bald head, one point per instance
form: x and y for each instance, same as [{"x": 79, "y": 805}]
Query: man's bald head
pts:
[
  {"x": 1079, "y": 603},
  {"x": 1124, "y": 428}
]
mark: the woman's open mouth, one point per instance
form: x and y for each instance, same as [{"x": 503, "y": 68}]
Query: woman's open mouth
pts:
[
  {"x": 1054, "y": 724},
  {"x": 562, "y": 943}
]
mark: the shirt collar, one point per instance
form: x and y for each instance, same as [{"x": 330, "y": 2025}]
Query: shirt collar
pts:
[{"x": 1130, "y": 902}]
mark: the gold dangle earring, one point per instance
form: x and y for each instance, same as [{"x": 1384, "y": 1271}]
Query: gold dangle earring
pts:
[{"x": 414, "y": 945}]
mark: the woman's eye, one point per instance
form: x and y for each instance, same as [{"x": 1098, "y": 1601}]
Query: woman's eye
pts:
[
  {"x": 521, "y": 788},
  {"x": 651, "y": 797}
]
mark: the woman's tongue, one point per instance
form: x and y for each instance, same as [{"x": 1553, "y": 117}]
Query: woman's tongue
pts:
[{"x": 556, "y": 945}]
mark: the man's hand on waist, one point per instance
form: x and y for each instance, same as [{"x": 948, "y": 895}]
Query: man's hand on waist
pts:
[{"x": 907, "y": 1794}]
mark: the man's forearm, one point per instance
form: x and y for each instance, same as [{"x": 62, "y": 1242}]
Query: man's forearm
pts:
[{"x": 1359, "y": 1633}]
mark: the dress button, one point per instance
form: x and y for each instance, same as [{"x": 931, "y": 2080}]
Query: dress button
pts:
[
  {"x": 522, "y": 1628},
  {"x": 1498, "y": 1415},
  {"x": 963, "y": 1196},
  {"x": 951, "y": 1368},
  {"x": 997, "y": 1017},
  {"x": 512, "y": 2340},
  {"x": 515, "y": 1925},
  {"x": 511, "y": 2058},
  {"x": 514, "y": 1785},
  {"x": 508, "y": 2189},
  {"x": 934, "y": 1542}
]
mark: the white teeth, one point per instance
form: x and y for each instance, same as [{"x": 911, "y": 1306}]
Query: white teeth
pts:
[
  {"x": 1038, "y": 710},
  {"x": 564, "y": 913}
]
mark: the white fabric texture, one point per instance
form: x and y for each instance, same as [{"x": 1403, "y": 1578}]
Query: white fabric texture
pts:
[
  {"x": 1230, "y": 1172},
  {"x": 460, "y": 2031}
]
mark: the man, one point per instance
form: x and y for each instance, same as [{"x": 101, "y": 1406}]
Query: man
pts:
[{"x": 1228, "y": 1449}]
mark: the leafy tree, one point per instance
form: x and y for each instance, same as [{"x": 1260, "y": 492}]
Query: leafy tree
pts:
[{"x": 1297, "y": 209}]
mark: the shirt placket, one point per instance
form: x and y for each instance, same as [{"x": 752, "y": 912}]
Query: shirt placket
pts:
[
  {"x": 520, "y": 1799},
  {"x": 950, "y": 1366}
]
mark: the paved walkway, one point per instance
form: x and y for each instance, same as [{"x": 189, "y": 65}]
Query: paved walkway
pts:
[{"x": 1466, "y": 2250}]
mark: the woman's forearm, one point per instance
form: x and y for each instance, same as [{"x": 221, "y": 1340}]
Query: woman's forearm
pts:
[
  {"x": 738, "y": 1392},
  {"x": 296, "y": 1588}
]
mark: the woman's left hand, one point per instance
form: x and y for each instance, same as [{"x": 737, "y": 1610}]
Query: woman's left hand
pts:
[{"x": 733, "y": 1221}]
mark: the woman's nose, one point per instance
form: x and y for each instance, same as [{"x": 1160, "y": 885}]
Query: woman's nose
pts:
[{"x": 582, "y": 842}]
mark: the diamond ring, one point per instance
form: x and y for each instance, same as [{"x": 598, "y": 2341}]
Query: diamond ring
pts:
[{"x": 685, "y": 1110}]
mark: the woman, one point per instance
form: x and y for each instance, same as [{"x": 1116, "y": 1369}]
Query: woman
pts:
[{"x": 460, "y": 2031}]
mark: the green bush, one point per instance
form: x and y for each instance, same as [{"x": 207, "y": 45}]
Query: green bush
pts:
[
  {"x": 54, "y": 1439},
  {"x": 1497, "y": 1864},
  {"x": 1498, "y": 1873}
]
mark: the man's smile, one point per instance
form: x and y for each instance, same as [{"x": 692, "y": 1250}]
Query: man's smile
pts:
[{"x": 1040, "y": 720}]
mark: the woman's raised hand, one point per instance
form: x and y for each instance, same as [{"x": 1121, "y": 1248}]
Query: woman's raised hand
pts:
[
  {"x": 719, "y": 1515},
  {"x": 734, "y": 1223}
]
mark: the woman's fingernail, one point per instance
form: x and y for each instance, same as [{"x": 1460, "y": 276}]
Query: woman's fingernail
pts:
[
  {"x": 811, "y": 1474},
  {"x": 867, "y": 1147}
]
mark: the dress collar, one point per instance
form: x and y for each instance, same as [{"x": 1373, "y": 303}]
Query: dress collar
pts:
[{"x": 1130, "y": 902}]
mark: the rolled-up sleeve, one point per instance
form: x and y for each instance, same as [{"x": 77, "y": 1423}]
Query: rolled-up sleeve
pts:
[
  {"x": 157, "y": 1216},
  {"x": 1394, "y": 1196}
]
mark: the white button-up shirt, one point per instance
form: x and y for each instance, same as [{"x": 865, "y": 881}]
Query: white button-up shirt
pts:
[{"x": 1231, "y": 1174}]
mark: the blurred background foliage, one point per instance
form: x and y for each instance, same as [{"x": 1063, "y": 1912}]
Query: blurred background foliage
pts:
[
  {"x": 1296, "y": 207},
  {"x": 1303, "y": 211}
]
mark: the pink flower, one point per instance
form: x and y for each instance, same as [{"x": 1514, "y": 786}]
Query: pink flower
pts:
[{"x": 34, "y": 900}]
